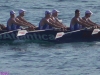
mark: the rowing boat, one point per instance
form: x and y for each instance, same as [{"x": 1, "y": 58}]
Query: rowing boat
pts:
[
  {"x": 83, "y": 35},
  {"x": 33, "y": 36}
]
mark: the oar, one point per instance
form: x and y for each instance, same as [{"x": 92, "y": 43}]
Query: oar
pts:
[
  {"x": 8, "y": 32},
  {"x": 5, "y": 32},
  {"x": 60, "y": 34},
  {"x": 22, "y": 32},
  {"x": 95, "y": 31}
]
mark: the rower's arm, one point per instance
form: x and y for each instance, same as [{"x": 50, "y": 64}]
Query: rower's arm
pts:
[
  {"x": 82, "y": 20},
  {"x": 92, "y": 22},
  {"x": 81, "y": 23},
  {"x": 17, "y": 23},
  {"x": 87, "y": 22},
  {"x": 27, "y": 22},
  {"x": 18, "y": 20},
  {"x": 54, "y": 22},
  {"x": 60, "y": 23},
  {"x": 50, "y": 23},
  {"x": 22, "y": 19}
]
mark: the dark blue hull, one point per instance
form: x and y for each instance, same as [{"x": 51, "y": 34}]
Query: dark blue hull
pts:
[
  {"x": 80, "y": 36},
  {"x": 49, "y": 36},
  {"x": 38, "y": 36}
]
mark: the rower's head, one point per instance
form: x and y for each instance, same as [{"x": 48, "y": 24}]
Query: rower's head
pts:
[
  {"x": 47, "y": 14},
  {"x": 77, "y": 13},
  {"x": 55, "y": 13},
  {"x": 12, "y": 13},
  {"x": 88, "y": 13},
  {"x": 22, "y": 12}
]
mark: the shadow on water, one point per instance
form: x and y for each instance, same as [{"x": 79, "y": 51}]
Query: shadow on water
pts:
[
  {"x": 41, "y": 43},
  {"x": 29, "y": 46}
]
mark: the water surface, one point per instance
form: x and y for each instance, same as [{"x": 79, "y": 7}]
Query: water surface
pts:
[{"x": 50, "y": 59}]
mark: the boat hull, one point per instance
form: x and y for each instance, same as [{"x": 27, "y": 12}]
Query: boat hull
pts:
[
  {"x": 49, "y": 36},
  {"x": 80, "y": 36},
  {"x": 38, "y": 36}
]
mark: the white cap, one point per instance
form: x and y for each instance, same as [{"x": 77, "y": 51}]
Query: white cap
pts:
[
  {"x": 12, "y": 12},
  {"x": 55, "y": 11},
  {"x": 88, "y": 12},
  {"x": 21, "y": 10},
  {"x": 47, "y": 12}
]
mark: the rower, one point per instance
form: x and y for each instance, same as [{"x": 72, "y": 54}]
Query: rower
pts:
[
  {"x": 21, "y": 18},
  {"x": 56, "y": 20},
  {"x": 86, "y": 18},
  {"x": 76, "y": 22},
  {"x": 2, "y": 27},
  {"x": 45, "y": 22},
  {"x": 12, "y": 24}
]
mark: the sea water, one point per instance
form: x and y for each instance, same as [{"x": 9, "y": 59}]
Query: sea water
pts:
[{"x": 79, "y": 58}]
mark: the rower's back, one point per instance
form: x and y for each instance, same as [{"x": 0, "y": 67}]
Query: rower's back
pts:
[
  {"x": 74, "y": 25},
  {"x": 10, "y": 24}
]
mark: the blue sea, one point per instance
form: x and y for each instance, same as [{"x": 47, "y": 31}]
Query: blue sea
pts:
[{"x": 79, "y": 58}]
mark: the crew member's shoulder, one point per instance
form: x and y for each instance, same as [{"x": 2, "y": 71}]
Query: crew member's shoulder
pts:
[
  {"x": 74, "y": 18},
  {"x": 43, "y": 19},
  {"x": 19, "y": 17},
  {"x": 10, "y": 19}
]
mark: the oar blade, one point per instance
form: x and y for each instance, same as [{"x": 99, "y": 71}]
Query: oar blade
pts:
[
  {"x": 59, "y": 34},
  {"x": 22, "y": 32},
  {"x": 95, "y": 31}
]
